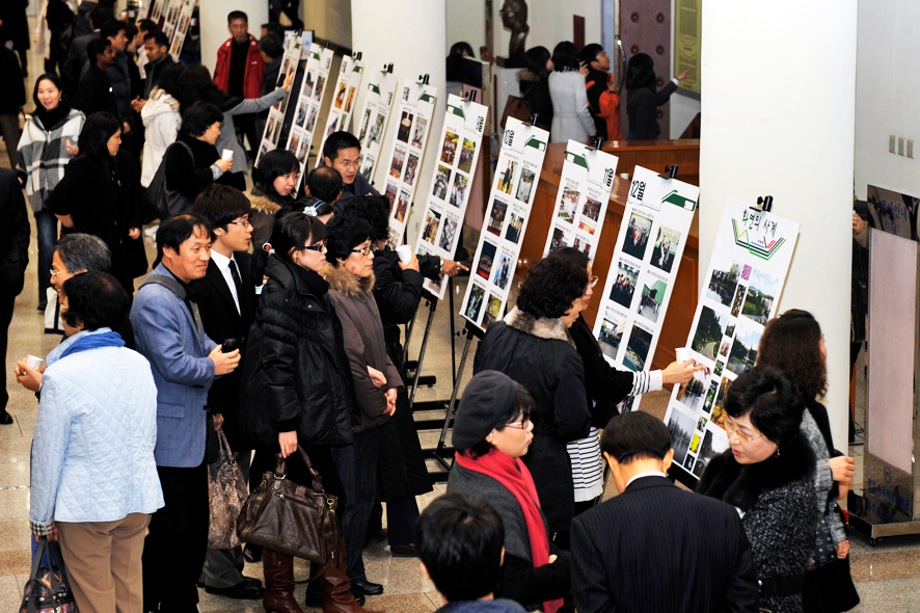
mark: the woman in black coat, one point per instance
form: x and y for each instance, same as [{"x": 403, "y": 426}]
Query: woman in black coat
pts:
[
  {"x": 643, "y": 100},
  {"x": 100, "y": 195}
]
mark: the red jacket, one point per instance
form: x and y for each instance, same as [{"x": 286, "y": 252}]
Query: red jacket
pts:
[{"x": 254, "y": 77}]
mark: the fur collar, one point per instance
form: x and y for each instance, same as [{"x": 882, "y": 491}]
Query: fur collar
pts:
[
  {"x": 346, "y": 283},
  {"x": 542, "y": 327},
  {"x": 262, "y": 204}
]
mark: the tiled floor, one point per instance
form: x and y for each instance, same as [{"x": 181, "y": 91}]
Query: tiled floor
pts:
[{"x": 887, "y": 575}]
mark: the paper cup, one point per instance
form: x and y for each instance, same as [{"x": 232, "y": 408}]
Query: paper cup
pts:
[
  {"x": 405, "y": 253},
  {"x": 226, "y": 154},
  {"x": 682, "y": 353},
  {"x": 34, "y": 361}
]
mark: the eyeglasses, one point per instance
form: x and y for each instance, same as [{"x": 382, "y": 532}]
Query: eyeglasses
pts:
[
  {"x": 243, "y": 224},
  {"x": 55, "y": 273},
  {"x": 520, "y": 425},
  {"x": 363, "y": 250},
  {"x": 320, "y": 246},
  {"x": 731, "y": 429},
  {"x": 352, "y": 163}
]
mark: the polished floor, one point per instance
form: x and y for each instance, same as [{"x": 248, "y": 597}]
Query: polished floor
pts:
[{"x": 887, "y": 574}]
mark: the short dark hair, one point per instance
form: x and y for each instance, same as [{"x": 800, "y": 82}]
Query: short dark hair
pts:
[
  {"x": 640, "y": 71},
  {"x": 271, "y": 46},
  {"x": 112, "y": 28},
  {"x": 292, "y": 231},
  {"x": 147, "y": 25},
  {"x": 96, "y": 300},
  {"x": 48, "y": 76},
  {"x": 198, "y": 86},
  {"x": 325, "y": 183},
  {"x": 375, "y": 210},
  {"x": 177, "y": 229},
  {"x": 635, "y": 435},
  {"x": 590, "y": 52},
  {"x": 460, "y": 538},
  {"x": 168, "y": 79},
  {"x": 551, "y": 287},
  {"x": 338, "y": 141},
  {"x": 158, "y": 37},
  {"x": 96, "y": 47},
  {"x": 272, "y": 165},
  {"x": 462, "y": 47},
  {"x": 792, "y": 343},
  {"x": 221, "y": 204},
  {"x": 346, "y": 233},
  {"x": 565, "y": 56},
  {"x": 571, "y": 255},
  {"x": 101, "y": 15},
  {"x": 771, "y": 399},
  {"x": 81, "y": 251},
  {"x": 199, "y": 116},
  {"x": 95, "y": 135},
  {"x": 237, "y": 15},
  {"x": 130, "y": 31},
  {"x": 522, "y": 406},
  {"x": 536, "y": 58}
]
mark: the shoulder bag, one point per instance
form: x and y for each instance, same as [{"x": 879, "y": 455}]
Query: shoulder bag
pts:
[{"x": 227, "y": 494}]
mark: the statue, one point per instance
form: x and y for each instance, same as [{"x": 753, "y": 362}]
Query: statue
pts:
[{"x": 514, "y": 17}]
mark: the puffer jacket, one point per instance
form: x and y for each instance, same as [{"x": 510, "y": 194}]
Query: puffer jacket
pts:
[
  {"x": 92, "y": 455},
  {"x": 265, "y": 210},
  {"x": 295, "y": 372},
  {"x": 161, "y": 123}
]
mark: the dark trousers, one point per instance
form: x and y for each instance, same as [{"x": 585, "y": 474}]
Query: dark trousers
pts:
[
  {"x": 9, "y": 128},
  {"x": 177, "y": 540},
  {"x": 7, "y": 303},
  {"x": 46, "y": 228},
  {"x": 357, "y": 468},
  {"x": 246, "y": 126}
]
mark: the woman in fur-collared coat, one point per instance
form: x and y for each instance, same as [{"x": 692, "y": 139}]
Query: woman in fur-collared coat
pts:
[
  {"x": 532, "y": 345},
  {"x": 768, "y": 475}
]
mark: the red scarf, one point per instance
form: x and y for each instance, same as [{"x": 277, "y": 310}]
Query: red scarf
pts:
[{"x": 513, "y": 475}]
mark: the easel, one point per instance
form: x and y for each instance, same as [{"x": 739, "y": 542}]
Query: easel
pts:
[
  {"x": 432, "y": 303},
  {"x": 471, "y": 331}
]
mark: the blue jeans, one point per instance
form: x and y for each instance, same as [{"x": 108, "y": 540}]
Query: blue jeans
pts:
[{"x": 46, "y": 226}]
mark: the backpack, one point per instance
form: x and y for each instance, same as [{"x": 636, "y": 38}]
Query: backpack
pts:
[{"x": 165, "y": 201}]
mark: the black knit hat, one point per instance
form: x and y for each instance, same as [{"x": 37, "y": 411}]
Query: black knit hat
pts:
[{"x": 484, "y": 406}]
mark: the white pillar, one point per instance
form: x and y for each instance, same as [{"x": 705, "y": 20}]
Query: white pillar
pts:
[
  {"x": 411, "y": 35},
  {"x": 779, "y": 118},
  {"x": 213, "y": 18}
]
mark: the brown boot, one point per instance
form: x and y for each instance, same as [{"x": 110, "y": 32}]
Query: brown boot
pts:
[
  {"x": 337, "y": 596},
  {"x": 278, "y": 570}
]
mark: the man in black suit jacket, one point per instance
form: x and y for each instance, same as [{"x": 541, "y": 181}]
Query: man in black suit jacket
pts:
[
  {"x": 14, "y": 257},
  {"x": 655, "y": 547},
  {"x": 226, "y": 299}
]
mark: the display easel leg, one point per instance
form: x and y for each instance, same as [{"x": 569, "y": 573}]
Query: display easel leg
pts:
[
  {"x": 432, "y": 305},
  {"x": 449, "y": 415}
]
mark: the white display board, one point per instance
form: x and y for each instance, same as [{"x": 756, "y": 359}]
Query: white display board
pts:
[
  {"x": 275, "y": 122},
  {"x": 373, "y": 118},
  {"x": 414, "y": 113},
  {"x": 643, "y": 269},
  {"x": 458, "y": 156},
  {"x": 741, "y": 291},
  {"x": 351, "y": 73},
  {"x": 309, "y": 103},
  {"x": 513, "y": 191},
  {"x": 581, "y": 203},
  {"x": 180, "y": 31}
]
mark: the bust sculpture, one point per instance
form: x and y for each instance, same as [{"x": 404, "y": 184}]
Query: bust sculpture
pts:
[{"x": 514, "y": 17}]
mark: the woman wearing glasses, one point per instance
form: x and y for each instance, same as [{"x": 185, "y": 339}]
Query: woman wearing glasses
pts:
[
  {"x": 350, "y": 274},
  {"x": 297, "y": 388},
  {"x": 768, "y": 475},
  {"x": 492, "y": 432}
]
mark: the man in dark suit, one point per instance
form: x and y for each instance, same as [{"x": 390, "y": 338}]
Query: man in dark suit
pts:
[
  {"x": 14, "y": 257},
  {"x": 655, "y": 547},
  {"x": 226, "y": 300},
  {"x": 94, "y": 94}
]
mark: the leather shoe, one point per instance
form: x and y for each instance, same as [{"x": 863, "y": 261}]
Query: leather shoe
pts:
[
  {"x": 244, "y": 590},
  {"x": 407, "y": 550},
  {"x": 5, "y": 418},
  {"x": 365, "y": 588}
]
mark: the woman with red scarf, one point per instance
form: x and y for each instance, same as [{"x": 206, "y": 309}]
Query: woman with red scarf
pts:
[{"x": 491, "y": 433}]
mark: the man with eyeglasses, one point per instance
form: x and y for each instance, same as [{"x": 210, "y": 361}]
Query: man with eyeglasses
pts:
[
  {"x": 342, "y": 152},
  {"x": 226, "y": 298}
]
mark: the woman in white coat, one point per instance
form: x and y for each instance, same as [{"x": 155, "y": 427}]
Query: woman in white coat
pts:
[
  {"x": 162, "y": 121},
  {"x": 571, "y": 117}
]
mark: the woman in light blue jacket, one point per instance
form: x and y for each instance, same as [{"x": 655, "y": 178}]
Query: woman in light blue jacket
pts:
[{"x": 93, "y": 479}]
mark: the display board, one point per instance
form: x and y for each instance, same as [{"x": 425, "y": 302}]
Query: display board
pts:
[
  {"x": 415, "y": 110},
  {"x": 581, "y": 203},
  {"x": 643, "y": 269},
  {"x": 374, "y": 117},
  {"x": 180, "y": 31},
  {"x": 275, "y": 129},
  {"x": 458, "y": 154},
  {"x": 741, "y": 291},
  {"x": 893, "y": 212},
  {"x": 309, "y": 102},
  {"x": 351, "y": 73},
  {"x": 513, "y": 191}
]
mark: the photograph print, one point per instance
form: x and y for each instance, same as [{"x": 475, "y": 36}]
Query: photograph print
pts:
[
  {"x": 665, "y": 248},
  {"x": 738, "y": 300},
  {"x": 502, "y": 271},
  {"x": 474, "y": 306},
  {"x": 421, "y": 124},
  {"x": 589, "y": 215},
  {"x": 441, "y": 179},
  {"x": 561, "y": 238},
  {"x": 493, "y": 311},
  {"x": 405, "y": 125},
  {"x": 497, "y": 217},
  {"x": 569, "y": 204},
  {"x": 486, "y": 258},
  {"x": 709, "y": 332},
  {"x": 402, "y": 205},
  {"x": 458, "y": 191},
  {"x": 396, "y": 164},
  {"x": 449, "y": 147},
  {"x": 760, "y": 297},
  {"x": 636, "y": 239},
  {"x": 611, "y": 333},
  {"x": 723, "y": 282},
  {"x": 692, "y": 393},
  {"x": 681, "y": 426},
  {"x": 433, "y": 221},
  {"x": 506, "y": 176},
  {"x": 625, "y": 284},
  {"x": 744, "y": 350},
  {"x": 448, "y": 231},
  {"x": 367, "y": 167},
  {"x": 637, "y": 348},
  {"x": 411, "y": 169},
  {"x": 320, "y": 84},
  {"x": 513, "y": 231},
  {"x": 391, "y": 193},
  {"x": 525, "y": 186},
  {"x": 652, "y": 297},
  {"x": 466, "y": 156}
]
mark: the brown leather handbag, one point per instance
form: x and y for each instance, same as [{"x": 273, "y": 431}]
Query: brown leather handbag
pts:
[{"x": 292, "y": 519}]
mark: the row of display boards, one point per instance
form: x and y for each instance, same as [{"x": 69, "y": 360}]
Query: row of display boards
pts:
[{"x": 741, "y": 292}]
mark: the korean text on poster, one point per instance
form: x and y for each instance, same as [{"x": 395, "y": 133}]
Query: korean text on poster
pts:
[
  {"x": 351, "y": 73},
  {"x": 741, "y": 291},
  {"x": 458, "y": 153},
  {"x": 373, "y": 118},
  {"x": 510, "y": 201}
]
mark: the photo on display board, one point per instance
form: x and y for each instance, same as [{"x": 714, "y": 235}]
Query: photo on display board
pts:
[
  {"x": 513, "y": 231},
  {"x": 694, "y": 444},
  {"x": 339, "y": 100},
  {"x": 396, "y": 164},
  {"x": 411, "y": 169},
  {"x": 308, "y": 85},
  {"x": 611, "y": 334},
  {"x": 720, "y": 366},
  {"x": 448, "y": 230},
  {"x": 583, "y": 245},
  {"x": 506, "y": 177},
  {"x": 681, "y": 427},
  {"x": 497, "y": 218},
  {"x": 458, "y": 192},
  {"x": 421, "y": 124},
  {"x": 637, "y": 348},
  {"x": 718, "y": 409},
  {"x": 486, "y": 257},
  {"x": 710, "y": 396},
  {"x": 692, "y": 393},
  {"x": 333, "y": 126},
  {"x": 625, "y": 284},
  {"x": 760, "y": 297},
  {"x": 502, "y": 271},
  {"x": 449, "y": 147},
  {"x": 665, "y": 248},
  {"x": 320, "y": 84},
  {"x": 441, "y": 179},
  {"x": 589, "y": 214},
  {"x": 349, "y": 102},
  {"x": 493, "y": 311},
  {"x": 365, "y": 124},
  {"x": 569, "y": 204},
  {"x": 723, "y": 282},
  {"x": 709, "y": 332},
  {"x": 708, "y": 450},
  {"x": 525, "y": 187},
  {"x": 303, "y": 150},
  {"x": 376, "y": 131},
  {"x": 391, "y": 192},
  {"x": 367, "y": 167},
  {"x": 474, "y": 306},
  {"x": 294, "y": 142},
  {"x": 689, "y": 459},
  {"x": 561, "y": 238},
  {"x": 311, "y": 119},
  {"x": 743, "y": 351},
  {"x": 405, "y": 126},
  {"x": 738, "y": 300},
  {"x": 402, "y": 205},
  {"x": 466, "y": 156},
  {"x": 431, "y": 226},
  {"x": 301, "y": 117},
  {"x": 652, "y": 297},
  {"x": 637, "y": 233}
]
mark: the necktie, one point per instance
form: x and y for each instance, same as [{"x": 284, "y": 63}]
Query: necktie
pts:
[{"x": 235, "y": 273}]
